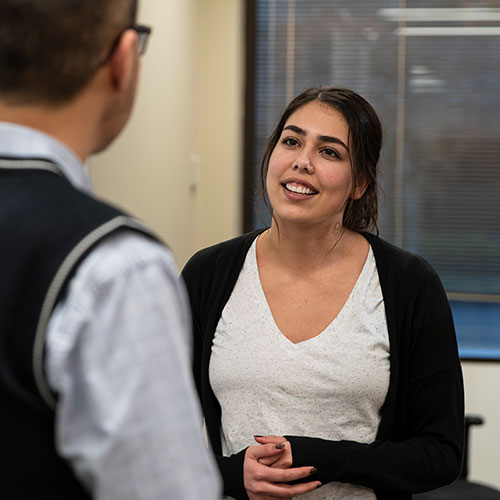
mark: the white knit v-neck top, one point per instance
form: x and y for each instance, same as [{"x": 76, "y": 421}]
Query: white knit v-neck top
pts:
[{"x": 331, "y": 386}]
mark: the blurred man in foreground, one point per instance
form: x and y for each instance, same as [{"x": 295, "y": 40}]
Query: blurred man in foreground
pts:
[{"x": 95, "y": 386}]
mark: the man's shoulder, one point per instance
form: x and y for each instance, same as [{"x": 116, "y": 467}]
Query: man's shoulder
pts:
[{"x": 124, "y": 252}]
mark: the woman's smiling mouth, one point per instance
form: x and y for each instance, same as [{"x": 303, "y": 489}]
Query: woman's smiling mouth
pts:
[{"x": 294, "y": 187}]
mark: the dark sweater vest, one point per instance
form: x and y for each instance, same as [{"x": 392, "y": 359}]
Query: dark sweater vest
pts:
[{"x": 47, "y": 227}]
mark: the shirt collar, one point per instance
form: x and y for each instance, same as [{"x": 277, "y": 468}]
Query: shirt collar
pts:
[{"x": 19, "y": 141}]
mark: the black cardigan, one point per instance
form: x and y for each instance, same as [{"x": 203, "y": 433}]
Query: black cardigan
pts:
[{"x": 420, "y": 437}]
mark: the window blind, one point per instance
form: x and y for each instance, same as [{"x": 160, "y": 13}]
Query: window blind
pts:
[{"x": 431, "y": 69}]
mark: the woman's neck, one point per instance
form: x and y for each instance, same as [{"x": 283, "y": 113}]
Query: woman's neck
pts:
[{"x": 308, "y": 248}]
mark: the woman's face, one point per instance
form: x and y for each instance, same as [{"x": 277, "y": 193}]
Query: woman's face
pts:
[{"x": 309, "y": 176}]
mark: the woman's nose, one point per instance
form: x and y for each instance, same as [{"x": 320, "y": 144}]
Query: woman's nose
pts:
[{"x": 303, "y": 163}]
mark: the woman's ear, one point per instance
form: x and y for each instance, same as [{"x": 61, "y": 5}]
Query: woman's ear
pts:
[{"x": 359, "y": 190}]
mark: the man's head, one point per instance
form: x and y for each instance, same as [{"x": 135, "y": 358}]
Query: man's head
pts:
[
  {"x": 70, "y": 68},
  {"x": 51, "y": 49}
]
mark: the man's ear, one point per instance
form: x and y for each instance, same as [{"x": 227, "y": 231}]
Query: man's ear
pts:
[{"x": 123, "y": 61}]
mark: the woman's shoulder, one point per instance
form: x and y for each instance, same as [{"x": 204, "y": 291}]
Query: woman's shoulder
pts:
[
  {"x": 225, "y": 253},
  {"x": 394, "y": 260}
]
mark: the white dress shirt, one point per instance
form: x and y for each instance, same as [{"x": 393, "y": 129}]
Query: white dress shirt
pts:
[{"x": 118, "y": 357}]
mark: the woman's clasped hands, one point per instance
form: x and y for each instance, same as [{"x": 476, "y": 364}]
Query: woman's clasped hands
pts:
[{"x": 267, "y": 471}]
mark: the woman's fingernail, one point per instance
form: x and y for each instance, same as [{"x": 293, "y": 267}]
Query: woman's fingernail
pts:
[
  {"x": 313, "y": 471},
  {"x": 279, "y": 446},
  {"x": 319, "y": 485},
  {"x": 258, "y": 435}
]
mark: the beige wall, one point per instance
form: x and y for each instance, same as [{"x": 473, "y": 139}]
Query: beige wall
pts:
[
  {"x": 178, "y": 164},
  {"x": 220, "y": 83},
  {"x": 482, "y": 396}
]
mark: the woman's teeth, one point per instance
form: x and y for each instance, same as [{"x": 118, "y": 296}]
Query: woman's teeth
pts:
[{"x": 295, "y": 188}]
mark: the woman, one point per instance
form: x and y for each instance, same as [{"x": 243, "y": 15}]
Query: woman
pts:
[{"x": 324, "y": 356}]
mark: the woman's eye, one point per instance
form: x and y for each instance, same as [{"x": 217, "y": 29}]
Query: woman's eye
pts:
[
  {"x": 289, "y": 141},
  {"x": 331, "y": 152}
]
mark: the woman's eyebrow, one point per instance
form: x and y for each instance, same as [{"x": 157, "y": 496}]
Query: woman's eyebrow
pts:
[
  {"x": 335, "y": 140},
  {"x": 294, "y": 128},
  {"x": 322, "y": 138}
]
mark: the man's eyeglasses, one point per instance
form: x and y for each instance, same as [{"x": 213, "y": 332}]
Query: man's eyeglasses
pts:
[{"x": 143, "y": 33}]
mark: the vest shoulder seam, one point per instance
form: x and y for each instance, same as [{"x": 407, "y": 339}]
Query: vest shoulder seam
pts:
[{"x": 55, "y": 288}]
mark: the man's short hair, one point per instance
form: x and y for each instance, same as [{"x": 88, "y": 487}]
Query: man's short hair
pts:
[{"x": 50, "y": 49}]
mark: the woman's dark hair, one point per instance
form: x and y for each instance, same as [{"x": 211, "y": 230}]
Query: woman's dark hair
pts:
[
  {"x": 50, "y": 49},
  {"x": 365, "y": 142}
]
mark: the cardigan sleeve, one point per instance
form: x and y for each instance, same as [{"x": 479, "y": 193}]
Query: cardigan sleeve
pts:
[
  {"x": 203, "y": 280},
  {"x": 429, "y": 458},
  {"x": 231, "y": 469},
  {"x": 428, "y": 452}
]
